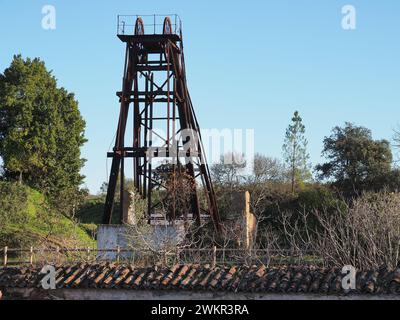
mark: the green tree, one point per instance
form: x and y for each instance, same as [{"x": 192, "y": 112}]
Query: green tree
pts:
[
  {"x": 295, "y": 151},
  {"x": 41, "y": 132},
  {"x": 356, "y": 162}
]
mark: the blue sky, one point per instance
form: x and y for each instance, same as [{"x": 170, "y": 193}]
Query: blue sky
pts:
[{"x": 250, "y": 64}]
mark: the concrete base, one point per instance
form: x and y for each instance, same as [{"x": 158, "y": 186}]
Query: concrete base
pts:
[{"x": 110, "y": 237}]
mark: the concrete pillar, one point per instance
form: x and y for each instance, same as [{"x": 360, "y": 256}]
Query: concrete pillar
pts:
[
  {"x": 128, "y": 216},
  {"x": 250, "y": 222}
]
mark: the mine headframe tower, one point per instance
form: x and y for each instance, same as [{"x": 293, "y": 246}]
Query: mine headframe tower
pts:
[{"x": 155, "y": 87}]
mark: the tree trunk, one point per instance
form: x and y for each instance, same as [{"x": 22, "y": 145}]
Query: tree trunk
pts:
[
  {"x": 20, "y": 178},
  {"x": 293, "y": 178},
  {"x": 294, "y": 165}
]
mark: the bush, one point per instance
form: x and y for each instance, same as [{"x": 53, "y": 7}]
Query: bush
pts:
[
  {"x": 313, "y": 198},
  {"x": 318, "y": 200},
  {"x": 13, "y": 214},
  {"x": 365, "y": 234},
  {"x": 13, "y": 202}
]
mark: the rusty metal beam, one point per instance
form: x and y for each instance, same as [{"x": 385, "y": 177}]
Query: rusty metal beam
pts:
[{"x": 142, "y": 93}]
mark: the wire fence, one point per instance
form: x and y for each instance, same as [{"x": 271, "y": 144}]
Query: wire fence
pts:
[{"x": 213, "y": 256}]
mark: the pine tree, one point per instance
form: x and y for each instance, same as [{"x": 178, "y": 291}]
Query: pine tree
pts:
[{"x": 295, "y": 151}]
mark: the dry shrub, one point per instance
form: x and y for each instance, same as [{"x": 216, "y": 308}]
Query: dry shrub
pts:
[{"x": 365, "y": 234}]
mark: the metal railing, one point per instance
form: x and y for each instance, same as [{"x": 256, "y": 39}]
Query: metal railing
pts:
[
  {"x": 213, "y": 256},
  {"x": 153, "y": 24}
]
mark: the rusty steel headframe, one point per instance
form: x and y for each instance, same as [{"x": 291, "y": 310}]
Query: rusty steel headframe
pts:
[{"x": 155, "y": 78}]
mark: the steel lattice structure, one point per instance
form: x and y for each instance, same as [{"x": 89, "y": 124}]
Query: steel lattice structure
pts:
[{"x": 155, "y": 80}]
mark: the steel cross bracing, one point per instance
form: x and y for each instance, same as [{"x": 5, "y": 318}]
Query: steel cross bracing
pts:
[{"x": 155, "y": 80}]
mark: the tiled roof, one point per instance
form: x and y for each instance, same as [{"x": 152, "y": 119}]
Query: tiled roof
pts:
[{"x": 205, "y": 278}]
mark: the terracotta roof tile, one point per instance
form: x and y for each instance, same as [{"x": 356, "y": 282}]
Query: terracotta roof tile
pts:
[
  {"x": 203, "y": 283},
  {"x": 229, "y": 277},
  {"x": 189, "y": 277},
  {"x": 170, "y": 275},
  {"x": 301, "y": 279},
  {"x": 179, "y": 276}
]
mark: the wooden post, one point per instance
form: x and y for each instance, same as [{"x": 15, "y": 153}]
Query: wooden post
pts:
[
  {"x": 214, "y": 256},
  {"x": 177, "y": 256},
  {"x": 57, "y": 253},
  {"x": 118, "y": 252},
  {"x": 5, "y": 256},
  {"x": 31, "y": 257}
]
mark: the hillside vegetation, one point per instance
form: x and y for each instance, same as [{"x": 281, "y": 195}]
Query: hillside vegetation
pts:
[
  {"x": 27, "y": 219},
  {"x": 90, "y": 213}
]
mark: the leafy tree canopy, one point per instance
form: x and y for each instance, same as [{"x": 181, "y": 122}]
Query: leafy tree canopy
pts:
[
  {"x": 41, "y": 131},
  {"x": 356, "y": 162}
]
